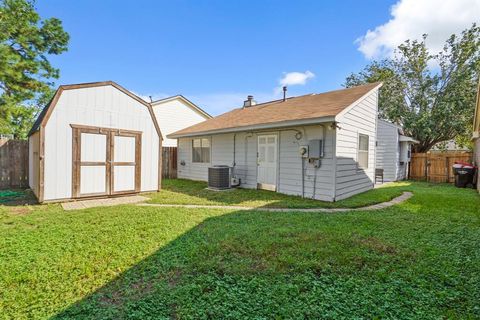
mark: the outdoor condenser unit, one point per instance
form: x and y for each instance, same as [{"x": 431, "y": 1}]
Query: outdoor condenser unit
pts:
[{"x": 219, "y": 177}]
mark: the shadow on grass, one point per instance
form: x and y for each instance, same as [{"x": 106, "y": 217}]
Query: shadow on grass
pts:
[
  {"x": 179, "y": 191},
  {"x": 17, "y": 197},
  {"x": 243, "y": 265},
  {"x": 283, "y": 265}
]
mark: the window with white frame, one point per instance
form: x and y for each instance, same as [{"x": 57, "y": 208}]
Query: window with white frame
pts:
[
  {"x": 201, "y": 150},
  {"x": 362, "y": 158}
]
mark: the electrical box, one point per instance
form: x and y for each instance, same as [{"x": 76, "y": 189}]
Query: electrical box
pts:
[
  {"x": 315, "y": 149},
  {"x": 303, "y": 150}
]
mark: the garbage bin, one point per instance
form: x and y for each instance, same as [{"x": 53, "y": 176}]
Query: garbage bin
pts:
[{"x": 464, "y": 174}]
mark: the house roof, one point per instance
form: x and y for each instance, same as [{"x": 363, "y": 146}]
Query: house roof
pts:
[
  {"x": 304, "y": 109},
  {"x": 403, "y": 138},
  {"x": 48, "y": 109},
  {"x": 192, "y": 105}
]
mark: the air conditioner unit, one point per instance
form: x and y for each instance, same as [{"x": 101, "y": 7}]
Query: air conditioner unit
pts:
[{"x": 219, "y": 177}]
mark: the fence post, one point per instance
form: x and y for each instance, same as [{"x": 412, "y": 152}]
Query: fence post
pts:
[{"x": 426, "y": 167}]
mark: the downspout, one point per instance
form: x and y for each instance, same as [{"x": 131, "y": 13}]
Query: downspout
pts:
[
  {"x": 232, "y": 174},
  {"x": 248, "y": 135},
  {"x": 324, "y": 137},
  {"x": 278, "y": 159},
  {"x": 334, "y": 146},
  {"x": 234, "y": 151},
  {"x": 303, "y": 177}
]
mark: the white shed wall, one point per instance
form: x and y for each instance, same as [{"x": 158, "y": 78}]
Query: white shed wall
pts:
[
  {"x": 289, "y": 167},
  {"x": 103, "y": 106},
  {"x": 360, "y": 119},
  {"x": 174, "y": 115},
  {"x": 388, "y": 150}
]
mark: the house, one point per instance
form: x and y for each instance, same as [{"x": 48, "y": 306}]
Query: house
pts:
[
  {"x": 175, "y": 113},
  {"x": 94, "y": 139},
  {"x": 320, "y": 146},
  {"x": 449, "y": 146},
  {"x": 476, "y": 135},
  {"x": 393, "y": 151}
]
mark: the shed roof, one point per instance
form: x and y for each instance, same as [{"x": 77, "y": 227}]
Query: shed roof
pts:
[
  {"x": 321, "y": 106},
  {"x": 48, "y": 109}
]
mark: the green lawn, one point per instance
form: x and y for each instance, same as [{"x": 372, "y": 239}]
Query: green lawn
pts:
[
  {"x": 180, "y": 191},
  {"x": 420, "y": 259}
]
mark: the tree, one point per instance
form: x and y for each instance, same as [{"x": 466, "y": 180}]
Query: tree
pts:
[
  {"x": 26, "y": 75},
  {"x": 431, "y": 95}
]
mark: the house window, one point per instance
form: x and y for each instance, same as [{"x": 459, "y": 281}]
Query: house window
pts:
[
  {"x": 362, "y": 151},
  {"x": 201, "y": 150}
]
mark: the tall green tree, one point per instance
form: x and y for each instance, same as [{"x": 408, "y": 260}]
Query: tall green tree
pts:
[
  {"x": 26, "y": 75},
  {"x": 432, "y": 95}
]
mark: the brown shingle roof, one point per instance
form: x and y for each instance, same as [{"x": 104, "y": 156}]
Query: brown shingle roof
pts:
[{"x": 311, "y": 106}]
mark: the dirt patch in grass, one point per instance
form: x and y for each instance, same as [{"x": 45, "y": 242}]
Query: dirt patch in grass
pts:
[
  {"x": 375, "y": 244},
  {"x": 19, "y": 211},
  {"x": 174, "y": 278},
  {"x": 112, "y": 299}
]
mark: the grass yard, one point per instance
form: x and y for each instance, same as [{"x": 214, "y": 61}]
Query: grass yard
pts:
[
  {"x": 181, "y": 191},
  {"x": 420, "y": 259}
]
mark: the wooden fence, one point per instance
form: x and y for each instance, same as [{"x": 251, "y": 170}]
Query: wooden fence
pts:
[
  {"x": 436, "y": 166},
  {"x": 169, "y": 162},
  {"x": 13, "y": 163}
]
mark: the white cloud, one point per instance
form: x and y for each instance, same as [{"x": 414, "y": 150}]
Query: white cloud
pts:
[
  {"x": 296, "y": 78},
  {"x": 220, "y": 102},
  {"x": 412, "y": 18}
]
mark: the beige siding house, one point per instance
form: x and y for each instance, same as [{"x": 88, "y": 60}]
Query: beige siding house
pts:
[
  {"x": 175, "y": 113},
  {"x": 476, "y": 135},
  {"x": 393, "y": 151},
  {"x": 319, "y": 146}
]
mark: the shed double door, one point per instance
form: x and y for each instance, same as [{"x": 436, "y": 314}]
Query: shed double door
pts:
[{"x": 105, "y": 161}]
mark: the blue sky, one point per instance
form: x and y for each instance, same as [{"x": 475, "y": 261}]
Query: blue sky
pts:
[{"x": 217, "y": 52}]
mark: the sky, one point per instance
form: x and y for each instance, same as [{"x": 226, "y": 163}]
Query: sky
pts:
[{"x": 216, "y": 53}]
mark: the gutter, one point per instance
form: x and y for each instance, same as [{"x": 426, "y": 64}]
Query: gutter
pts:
[{"x": 274, "y": 125}]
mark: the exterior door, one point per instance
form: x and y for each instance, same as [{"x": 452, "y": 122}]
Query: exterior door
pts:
[
  {"x": 126, "y": 170},
  {"x": 267, "y": 162},
  {"x": 105, "y": 161}
]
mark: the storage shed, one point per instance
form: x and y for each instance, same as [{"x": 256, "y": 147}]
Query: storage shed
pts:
[
  {"x": 320, "y": 146},
  {"x": 393, "y": 151},
  {"x": 94, "y": 140}
]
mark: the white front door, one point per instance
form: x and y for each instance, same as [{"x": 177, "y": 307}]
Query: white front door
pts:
[{"x": 267, "y": 162}]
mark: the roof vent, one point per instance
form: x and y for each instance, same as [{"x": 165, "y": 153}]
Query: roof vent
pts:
[{"x": 249, "y": 102}]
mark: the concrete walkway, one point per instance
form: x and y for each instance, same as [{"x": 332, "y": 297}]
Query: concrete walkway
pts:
[
  {"x": 405, "y": 196},
  {"x": 84, "y": 204}
]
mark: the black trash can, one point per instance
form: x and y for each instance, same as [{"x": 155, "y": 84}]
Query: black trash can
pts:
[{"x": 464, "y": 175}]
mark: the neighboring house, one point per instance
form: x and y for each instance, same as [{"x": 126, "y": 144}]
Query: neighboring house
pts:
[
  {"x": 319, "y": 146},
  {"x": 94, "y": 139},
  {"x": 175, "y": 113},
  {"x": 476, "y": 135},
  {"x": 449, "y": 145},
  {"x": 393, "y": 151}
]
